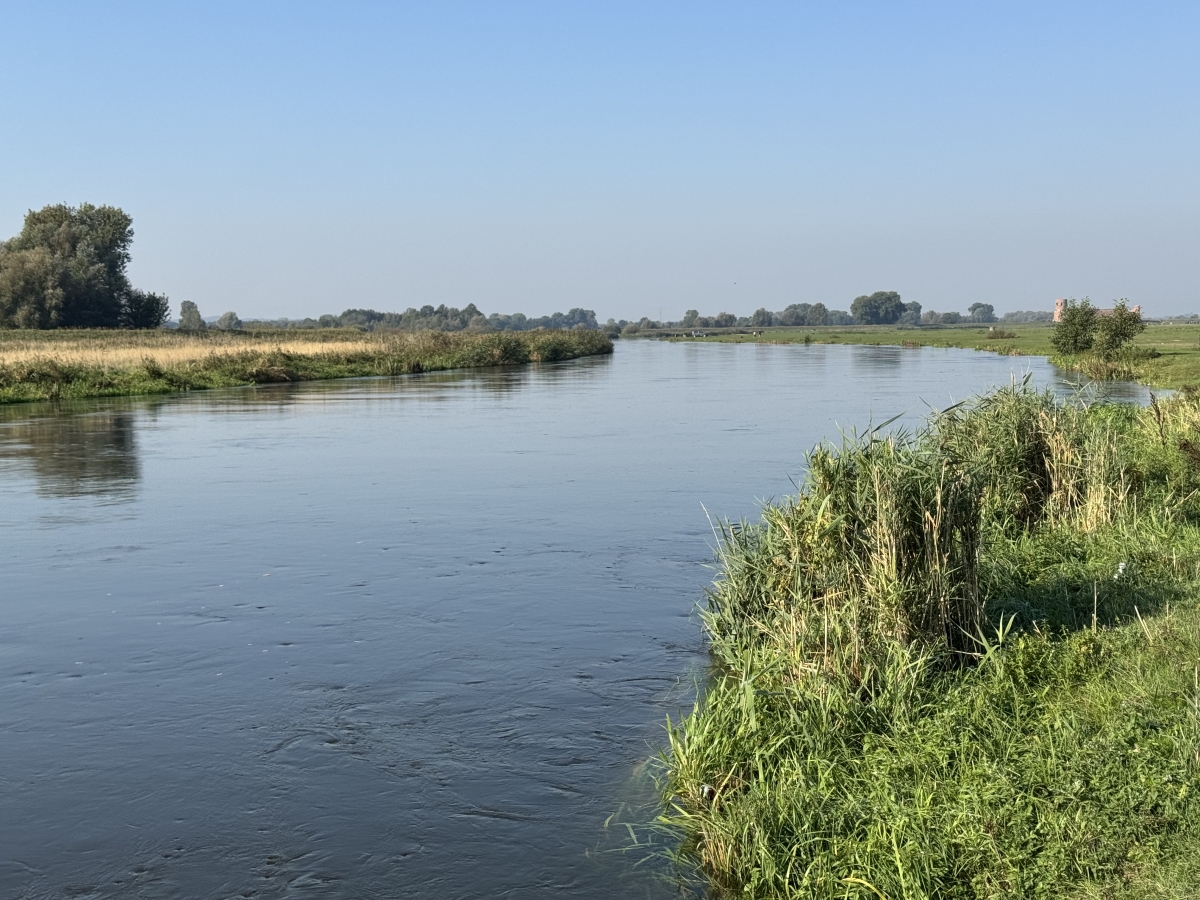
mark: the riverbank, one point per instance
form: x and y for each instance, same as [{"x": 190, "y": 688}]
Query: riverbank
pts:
[
  {"x": 70, "y": 364},
  {"x": 1165, "y": 356},
  {"x": 959, "y": 664}
]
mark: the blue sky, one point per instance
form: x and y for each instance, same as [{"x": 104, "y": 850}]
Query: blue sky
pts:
[{"x": 638, "y": 159}]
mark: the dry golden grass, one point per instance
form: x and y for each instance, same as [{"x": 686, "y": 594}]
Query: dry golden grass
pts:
[
  {"x": 166, "y": 348},
  {"x": 122, "y": 357}
]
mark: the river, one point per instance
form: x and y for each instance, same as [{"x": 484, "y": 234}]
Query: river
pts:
[{"x": 388, "y": 638}]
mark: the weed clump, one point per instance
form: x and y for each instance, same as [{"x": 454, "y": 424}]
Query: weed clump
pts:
[{"x": 960, "y": 663}]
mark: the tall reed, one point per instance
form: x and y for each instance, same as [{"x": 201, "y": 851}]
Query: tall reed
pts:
[{"x": 921, "y": 658}]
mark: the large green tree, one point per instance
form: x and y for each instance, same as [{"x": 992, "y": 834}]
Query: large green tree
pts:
[
  {"x": 879, "y": 308},
  {"x": 67, "y": 269}
]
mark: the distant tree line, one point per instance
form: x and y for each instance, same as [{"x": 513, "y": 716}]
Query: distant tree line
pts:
[
  {"x": 879, "y": 308},
  {"x": 431, "y": 318},
  {"x": 1022, "y": 316},
  {"x": 67, "y": 269}
]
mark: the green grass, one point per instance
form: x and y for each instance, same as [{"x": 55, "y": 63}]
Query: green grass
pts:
[
  {"x": 1167, "y": 355},
  {"x": 48, "y": 365},
  {"x": 959, "y": 664}
]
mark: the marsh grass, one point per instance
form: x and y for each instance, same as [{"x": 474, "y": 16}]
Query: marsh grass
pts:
[
  {"x": 960, "y": 663},
  {"x": 75, "y": 364}
]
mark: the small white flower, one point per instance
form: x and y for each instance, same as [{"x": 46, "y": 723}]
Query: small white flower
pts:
[{"x": 1120, "y": 571}]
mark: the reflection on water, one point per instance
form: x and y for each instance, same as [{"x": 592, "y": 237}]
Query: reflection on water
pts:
[
  {"x": 88, "y": 448},
  {"x": 880, "y": 360},
  {"x": 1108, "y": 391},
  {"x": 91, "y": 454},
  {"x": 396, "y": 637}
]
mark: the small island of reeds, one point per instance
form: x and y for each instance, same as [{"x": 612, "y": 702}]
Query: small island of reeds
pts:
[
  {"x": 960, "y": 663},
  {"x": 75, "y": 363}
]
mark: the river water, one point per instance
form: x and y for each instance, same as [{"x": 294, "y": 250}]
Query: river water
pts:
[{"x": 410, "y": 637}]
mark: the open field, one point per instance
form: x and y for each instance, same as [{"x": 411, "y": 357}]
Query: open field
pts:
[
  {"x": 1176, "y": 365},
  {"x": 42, "y": 365},
  {"x": 959, "y": 664}
]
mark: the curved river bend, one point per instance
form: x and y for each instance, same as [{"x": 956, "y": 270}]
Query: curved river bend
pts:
[{"x": 409, "y": 637}]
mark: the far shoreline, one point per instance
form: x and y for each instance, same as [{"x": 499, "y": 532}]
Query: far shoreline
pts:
[
  {"x": 1168, "y": 355},
  {"x": 82, "y": 364}
]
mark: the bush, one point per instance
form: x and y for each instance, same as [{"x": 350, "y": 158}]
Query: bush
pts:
[
  {"x": 1076, "y": 332},
  {"x": 1114, "y": 331}
]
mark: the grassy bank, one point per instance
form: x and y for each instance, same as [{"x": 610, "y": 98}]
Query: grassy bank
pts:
[
  {"x": 1163, "y": 355},
  {"x": 47, "y": 365},
  {"x": 963, "y": 663}
]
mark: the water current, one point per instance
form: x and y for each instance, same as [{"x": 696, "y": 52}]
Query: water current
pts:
[{"x": 389, "y": 638}]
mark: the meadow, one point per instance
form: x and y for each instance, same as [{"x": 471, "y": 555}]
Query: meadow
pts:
[
  {"x": 1162, "y": 356},
  {"x": 959, "y": 663},
  {"x": 54, "y": 364}
]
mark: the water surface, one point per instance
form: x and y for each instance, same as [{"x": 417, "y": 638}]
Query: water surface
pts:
[{"x": 409, "y": 637}]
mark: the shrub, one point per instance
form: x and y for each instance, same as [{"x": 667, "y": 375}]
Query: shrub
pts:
[
  {"x": 1114, "y": 331},
  {"x": 1076, "y": 332}
]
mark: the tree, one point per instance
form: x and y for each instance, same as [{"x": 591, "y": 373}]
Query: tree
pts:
[
  {"x": 66, "y": 269},
  {"x": 147, "y": 310},
  {"x": 31, "y": 291},
  {"x": 981, "y": 312},
  {"x": 911, "y": 314},
  {"x": 724, "y": 320},
  {"x": 229, "y": 322},
  {"x": 762, "y": 317},
  {"x": 795, "y": 314},
  {"x": 817, "y": 315},
  {"x": 689, "y": 318},
  {"x": 880, "y": 308},
  {"x": 1075, "y": 332},
  {"x": 189, "y": 317},
  {"x": 1116, "y": 330},
  {"x": 951, "y": 318}
]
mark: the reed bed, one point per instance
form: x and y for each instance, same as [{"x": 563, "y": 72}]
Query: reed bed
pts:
[
  {"x": 127, "y": 355},
  {"x": 959, "y": 663},
  {"x": 41, "y": 365}
]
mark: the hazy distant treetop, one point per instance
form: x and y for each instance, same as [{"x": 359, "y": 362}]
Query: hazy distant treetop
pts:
[
  {"x": 981, "y": 312},
  {"x": 911, "y": 314},
  {"x": 189, "y": 317},
  {"x": 879, "y": 308},
  {"x": 229, "y": 322},
  {"x": 762, "y": 317},
  {"x": 67, "y": 269}
]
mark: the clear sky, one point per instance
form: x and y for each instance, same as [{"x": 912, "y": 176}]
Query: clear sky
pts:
[{"x": 290, "y": 159}]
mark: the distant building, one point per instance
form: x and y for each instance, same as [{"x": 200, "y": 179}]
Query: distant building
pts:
[{"x": 1060, "y": 306}]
